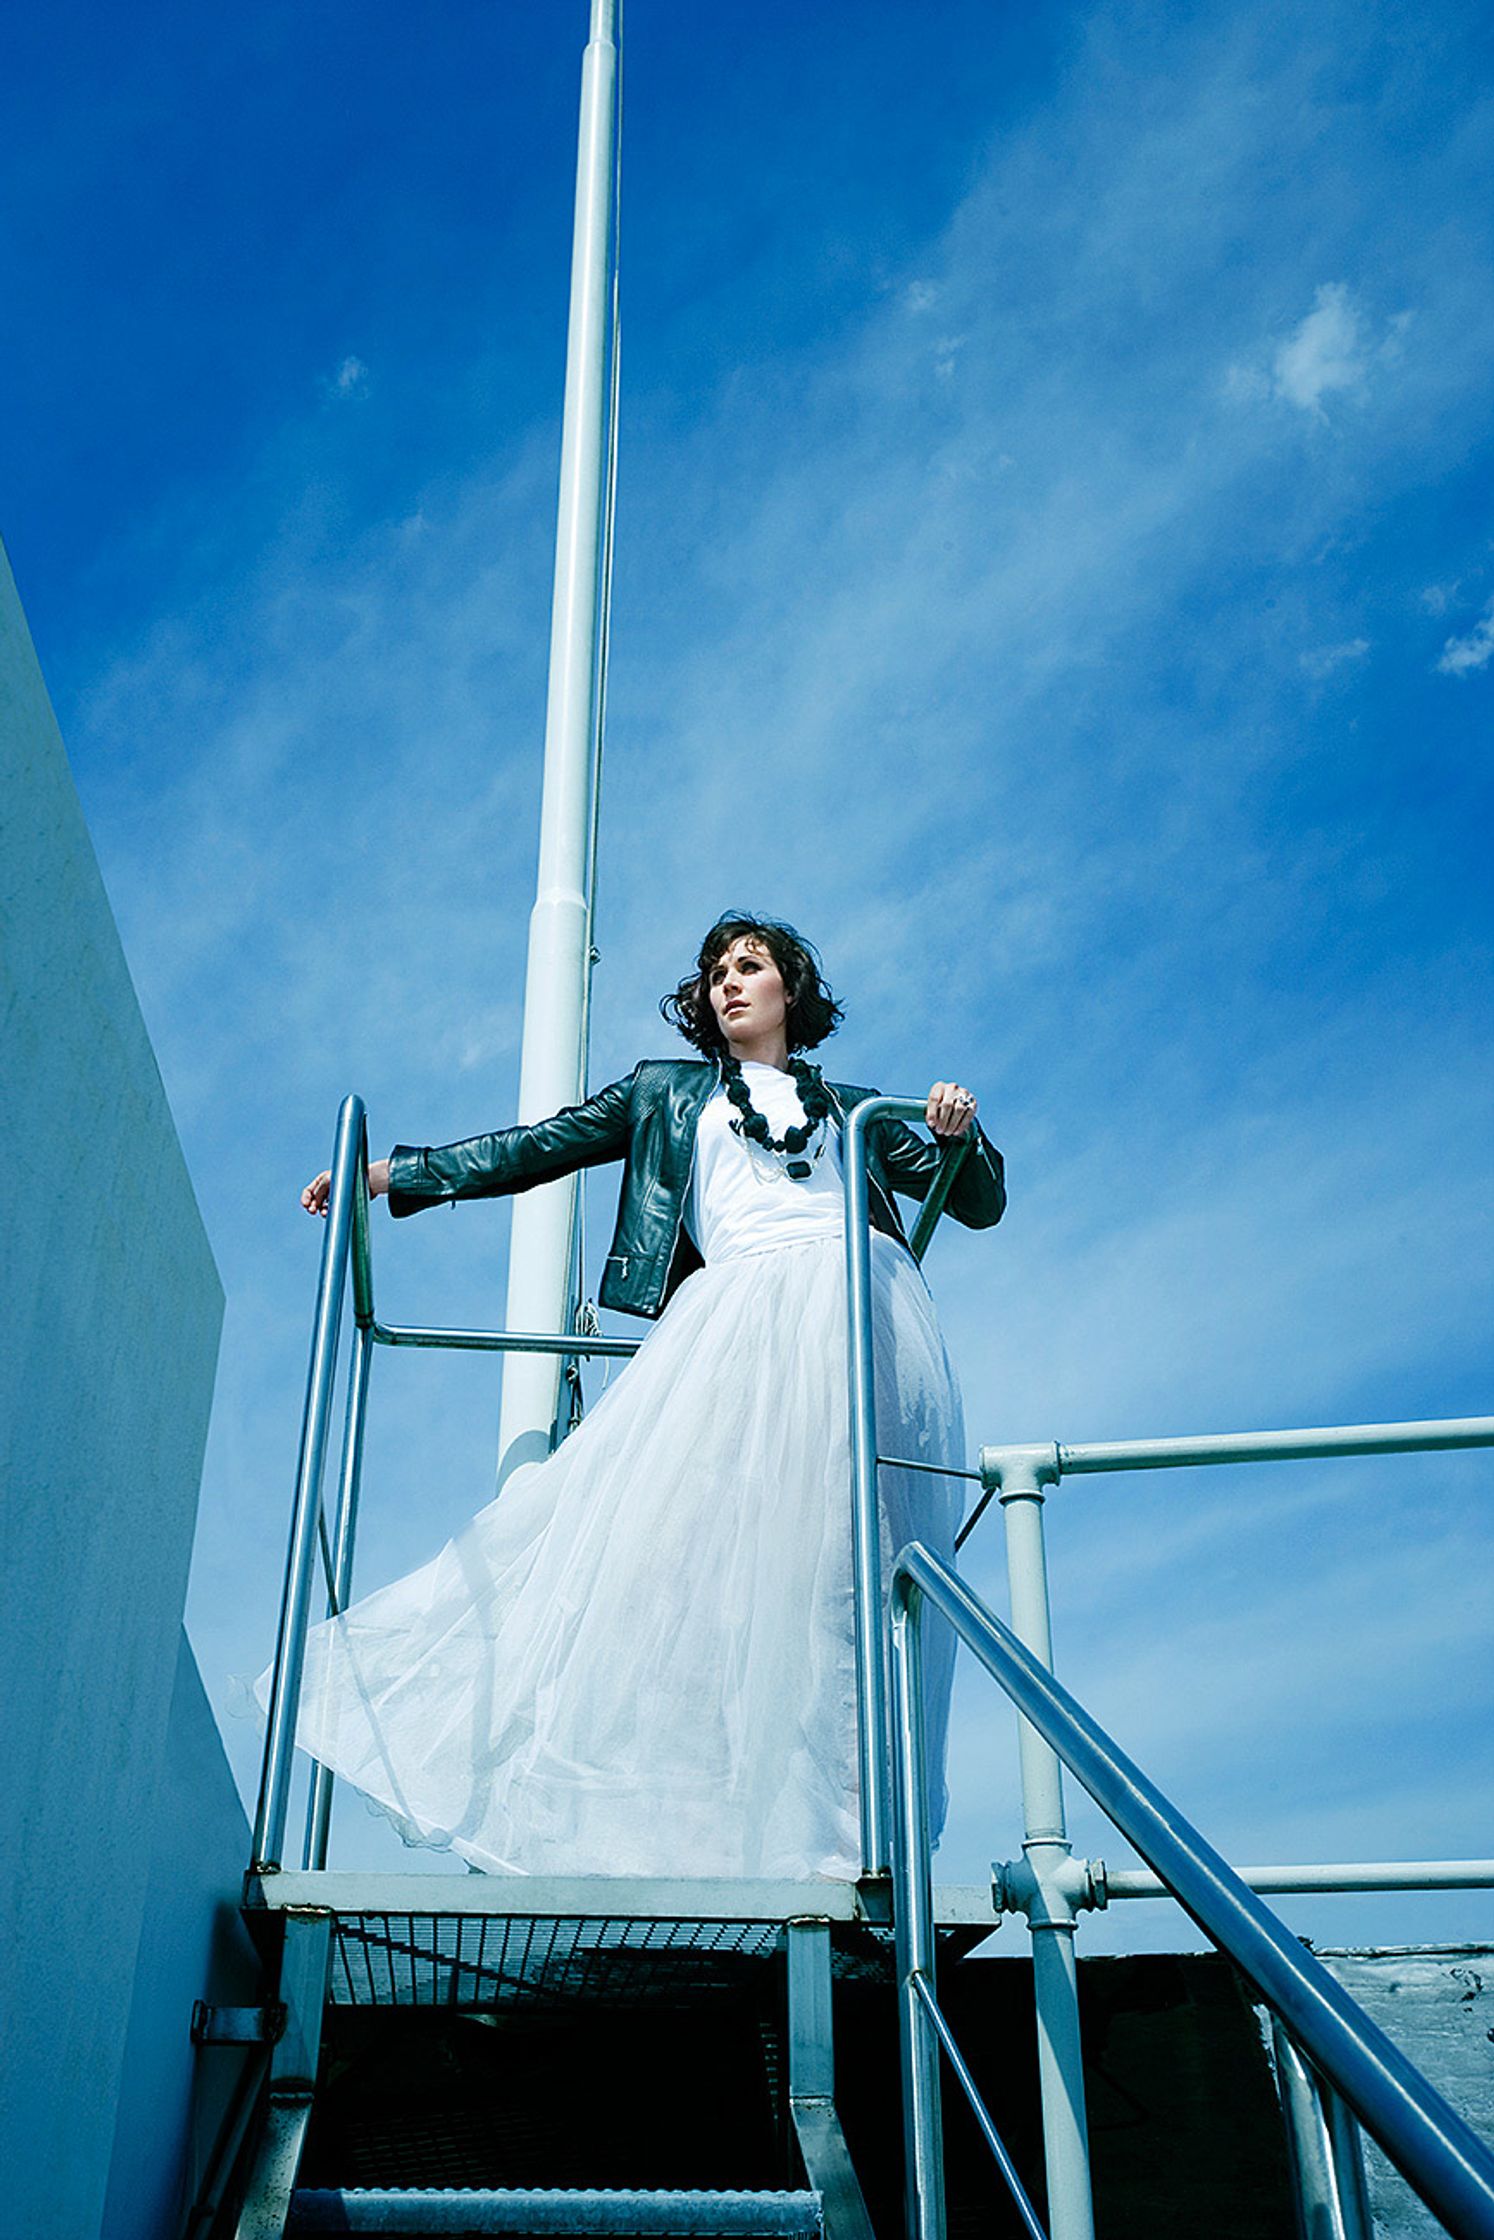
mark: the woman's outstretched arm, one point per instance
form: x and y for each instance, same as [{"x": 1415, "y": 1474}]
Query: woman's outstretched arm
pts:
[{"x": 490, "y": 1166}]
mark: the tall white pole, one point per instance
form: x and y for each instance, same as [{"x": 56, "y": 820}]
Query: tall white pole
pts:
[{"x": 553, "y": 1063}]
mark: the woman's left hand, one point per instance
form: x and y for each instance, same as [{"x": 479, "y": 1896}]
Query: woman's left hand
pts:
[{"x": 951, "y": 1109}]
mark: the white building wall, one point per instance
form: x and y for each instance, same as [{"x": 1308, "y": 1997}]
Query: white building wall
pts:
[{"x": 110, "y": 1309}]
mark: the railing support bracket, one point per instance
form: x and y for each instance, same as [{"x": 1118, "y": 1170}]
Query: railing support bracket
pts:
[{"x": 1052, "y": 1894}]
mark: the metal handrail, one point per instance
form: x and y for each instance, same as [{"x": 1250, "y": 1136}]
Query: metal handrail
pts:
[
  {"x": 866, "y": 1546},
  {"x": 346, "y": 1267},
  {"x": 500, "y": 1341},
  {"x": 347, "y": 1264},
  {"x": 349, "y": 1175},
  {"x": 1342, "y": 1878},
  {"x": 1428, "y": 2142},
  {"x": 1321, "y": 1444},
  {"x": 866, "y": 1543},
  {"x": 1054, "y": 1459}
]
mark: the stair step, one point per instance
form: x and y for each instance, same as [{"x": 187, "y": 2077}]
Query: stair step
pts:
[{"x": 641, "y": 2215}]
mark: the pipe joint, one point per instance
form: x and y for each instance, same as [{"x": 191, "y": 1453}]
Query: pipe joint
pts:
[
  {"x": 1017, "y": 1471},
  {"x": 1047, "y": 1885}
]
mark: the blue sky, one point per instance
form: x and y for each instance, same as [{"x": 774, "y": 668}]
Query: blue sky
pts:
[{"x": 1055, "y": 567}]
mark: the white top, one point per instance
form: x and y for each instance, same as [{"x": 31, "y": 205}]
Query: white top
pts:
[{"x": 741, "y": 1200}]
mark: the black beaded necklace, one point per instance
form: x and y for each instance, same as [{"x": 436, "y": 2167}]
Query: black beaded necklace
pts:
[{"x": 749, "y": 1122}]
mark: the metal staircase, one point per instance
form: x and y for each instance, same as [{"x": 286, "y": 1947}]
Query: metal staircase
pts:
[
  {"x": 502, "y": 2070},
  {"x": 492, "y": 2054},
  {"x": 504, "y": 2055}
]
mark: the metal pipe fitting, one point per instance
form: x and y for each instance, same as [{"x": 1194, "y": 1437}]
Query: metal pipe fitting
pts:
[
  {"x": 1049, "y": 1894},
  {"x": 1024, "y": 1469}
]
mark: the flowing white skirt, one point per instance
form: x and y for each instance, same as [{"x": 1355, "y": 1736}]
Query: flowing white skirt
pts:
[{"x": 639, "y": 1659}]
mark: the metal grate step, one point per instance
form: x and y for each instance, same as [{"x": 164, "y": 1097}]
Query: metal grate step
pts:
[
  {"x": 452, "y": 1960},
  {"x": 456, "y": 2213}
]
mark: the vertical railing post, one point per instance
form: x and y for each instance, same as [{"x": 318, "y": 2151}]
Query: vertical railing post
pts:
[
  {"x": 290, "y": 1644},
  {"x": 1347, "y": 2149},
  {"x": 345, "y": 1532},
  {"x": 1322, "y": 2148},
  {"x": 913, "y": 1925},
  {"x": 1048, "y": 1898},
  {"x": 866, "y": 1529},
  {"x": 866, "y": 1523}
]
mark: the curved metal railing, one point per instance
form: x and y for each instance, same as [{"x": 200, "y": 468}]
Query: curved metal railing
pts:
[
  {"x": 346, "y": 1266},
  {"x": 1428, "y": 2142},
  {"x": 866, "y": 1548}
]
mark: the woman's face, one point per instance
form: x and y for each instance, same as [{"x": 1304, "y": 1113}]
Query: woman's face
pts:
[{"x": 747, "y": 994}]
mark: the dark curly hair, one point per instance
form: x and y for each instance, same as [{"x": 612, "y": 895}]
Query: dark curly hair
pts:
[{"x": 813, "y": 1012}]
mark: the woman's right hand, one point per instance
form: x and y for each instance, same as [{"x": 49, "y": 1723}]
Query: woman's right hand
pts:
[{"x": 316, "y": 1193}]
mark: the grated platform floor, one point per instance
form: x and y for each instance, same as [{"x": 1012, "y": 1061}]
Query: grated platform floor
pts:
[{"x": 454, "y": 1960}]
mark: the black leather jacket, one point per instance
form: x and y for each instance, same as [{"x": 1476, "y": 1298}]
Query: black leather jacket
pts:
[{"x": 649, "y": 1121}]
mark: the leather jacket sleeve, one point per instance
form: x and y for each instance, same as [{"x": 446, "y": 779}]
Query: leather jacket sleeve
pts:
[
  {"x": 513, "y": 1159},
  {"x": 978, "y": 1197}
]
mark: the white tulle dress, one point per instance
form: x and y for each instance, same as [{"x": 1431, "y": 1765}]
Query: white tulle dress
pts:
[{"x": 639, "y": 1659}]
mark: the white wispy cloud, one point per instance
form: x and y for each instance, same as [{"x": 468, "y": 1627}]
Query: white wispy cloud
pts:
[
  {"x": 1332, "y": 350},
  {"x": 1326, "y": 352},
  {"x": 1465, "y": 656},
  {"x": 349, "y": 380},
  {"x": 1323, "y": 660}
]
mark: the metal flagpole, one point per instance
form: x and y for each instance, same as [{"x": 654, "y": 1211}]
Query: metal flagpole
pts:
[{"x": 553, "y": 1062}]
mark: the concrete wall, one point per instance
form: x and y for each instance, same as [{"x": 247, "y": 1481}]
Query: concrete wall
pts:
[
  {"x": 1438, "y": 2006},
  {"x": 193, "y": 1945},
  {"x": 111, "y": 1308}
]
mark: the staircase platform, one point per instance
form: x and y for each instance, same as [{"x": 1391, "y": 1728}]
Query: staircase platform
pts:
[
  {"x": 472, "y": 1941},
  {"x": 655, "y": 1898}
]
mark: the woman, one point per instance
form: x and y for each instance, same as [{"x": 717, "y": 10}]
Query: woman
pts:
[{"x": 639, "y": 1659}]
